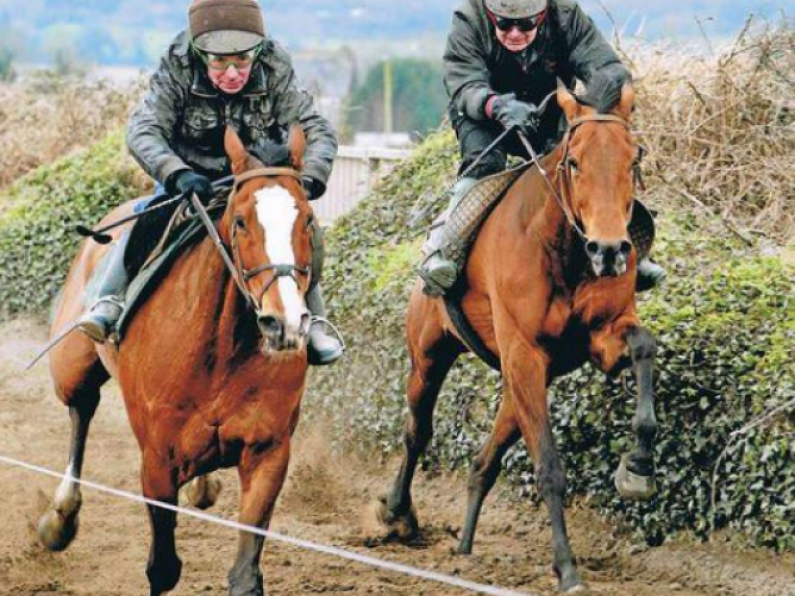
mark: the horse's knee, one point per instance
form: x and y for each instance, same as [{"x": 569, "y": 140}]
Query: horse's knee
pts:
[
  {"x": 642, "y": 345},
  {"x": 418, "y": 434},
  {"x": 551, "y": 478}
]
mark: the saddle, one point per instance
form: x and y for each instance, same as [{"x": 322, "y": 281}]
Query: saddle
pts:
[{"x": 483, "y": 198}]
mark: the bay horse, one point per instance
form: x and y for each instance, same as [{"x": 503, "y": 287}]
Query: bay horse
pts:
[
  {"x": 550, "y": 286},
  {"x": 212, "y": 368}
]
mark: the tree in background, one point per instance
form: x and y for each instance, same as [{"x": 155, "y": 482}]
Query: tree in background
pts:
[
  {"x": 419, "y": 98},
  {"x": 7, "y": 65}
]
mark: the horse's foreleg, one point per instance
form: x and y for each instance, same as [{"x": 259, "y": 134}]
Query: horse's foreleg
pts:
[
  {"x": 58, "y": 526},
  {"x": 487, "y": 466},
  {"x": 526, "y": 375},
  {"x": 261, "y": 479},
  {"x": 395, "y": 511},
  {"x": 164, "y": 566},
  {"x": 635, "y": 476}
]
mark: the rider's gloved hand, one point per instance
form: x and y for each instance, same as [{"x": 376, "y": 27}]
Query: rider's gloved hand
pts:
[
  {"x": 510, "y": 112},
  {"x": 191, "y": 182},
  {"x": 314, "y": 188}
]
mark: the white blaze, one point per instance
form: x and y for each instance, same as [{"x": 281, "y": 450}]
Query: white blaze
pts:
[{"x": 277, "y": 212}]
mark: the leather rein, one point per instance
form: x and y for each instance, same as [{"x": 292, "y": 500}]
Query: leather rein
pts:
[{"x": 565, "y": 167}]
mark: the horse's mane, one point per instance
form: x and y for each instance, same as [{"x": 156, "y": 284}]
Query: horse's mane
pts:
[
  {"x": 272, "y": 154},
  {"x": 603, "y": 92}
]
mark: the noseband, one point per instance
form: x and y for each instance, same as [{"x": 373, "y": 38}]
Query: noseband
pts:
[{"x": 243, "y": 275}]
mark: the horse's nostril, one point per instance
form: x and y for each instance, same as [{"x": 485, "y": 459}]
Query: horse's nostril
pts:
[
  {"x": 592, "y": 248},
  {"x": 270, "y": 324},
  {"x": 626, "y": 247}
]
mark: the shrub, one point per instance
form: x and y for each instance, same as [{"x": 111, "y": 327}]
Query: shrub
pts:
[{"x": 37, "y": 238}]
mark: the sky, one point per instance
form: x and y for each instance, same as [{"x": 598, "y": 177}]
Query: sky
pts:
[{"x": 134, "y": 32}]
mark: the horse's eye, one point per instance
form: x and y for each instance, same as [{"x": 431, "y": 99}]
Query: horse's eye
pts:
[
  {"x": 574, "y": 165},
  {"x": 240, "y": 223}
]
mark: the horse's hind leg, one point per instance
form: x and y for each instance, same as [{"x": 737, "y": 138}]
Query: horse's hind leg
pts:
[
  {"x": 78, "y": 383},
  {"x": 429, "y": 367},
  {"x": 261, "y": 478},
  {"x": 487, "y": 466}
]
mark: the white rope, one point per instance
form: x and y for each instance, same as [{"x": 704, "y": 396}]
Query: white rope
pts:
[{"x": 321, "y": 548}]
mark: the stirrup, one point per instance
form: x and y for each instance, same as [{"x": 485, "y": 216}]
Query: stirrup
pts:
[
  {"x": 317, "y": 357},
  {"x": 97, "y": 326},
  {"x": 318, "y": 319}
]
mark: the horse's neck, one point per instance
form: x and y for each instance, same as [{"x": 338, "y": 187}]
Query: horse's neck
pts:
[
  {"x": 549, "y": 229},
  {"x": 223, "y": 315}
]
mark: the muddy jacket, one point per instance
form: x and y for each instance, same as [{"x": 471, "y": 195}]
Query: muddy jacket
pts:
[
  {"x": 180, "y": 122},
  {"x": 477, "y": 65}
]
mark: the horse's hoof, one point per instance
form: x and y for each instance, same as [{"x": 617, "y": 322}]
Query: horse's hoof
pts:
[
  {"x": 203, "y": 492},
  {"x": 632, "y": 486},
  {"x": 56, "y": 532},
  {"x": 396, "y": 527}
]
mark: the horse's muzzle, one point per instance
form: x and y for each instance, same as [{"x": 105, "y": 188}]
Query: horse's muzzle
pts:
[
  {"x": 279, "y": 336},
  {"x": 608, "y": 259}
]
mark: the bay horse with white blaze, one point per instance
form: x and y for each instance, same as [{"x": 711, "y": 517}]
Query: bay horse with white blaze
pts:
[
  {"x": 212, "y": 368},
  {"x": 550, "y": 286}
]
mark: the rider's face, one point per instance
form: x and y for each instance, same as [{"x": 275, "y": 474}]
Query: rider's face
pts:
[
  {"x": 516, "y": 40},
  {"x": 230, "y": 81}
]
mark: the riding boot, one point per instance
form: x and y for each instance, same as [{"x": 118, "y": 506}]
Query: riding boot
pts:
[
  {"x": 323, "y": 349},
  {"x": 438, "y": 270},
  {"x": 650, "y": 275},
  {"x": 101, "y": 319}
]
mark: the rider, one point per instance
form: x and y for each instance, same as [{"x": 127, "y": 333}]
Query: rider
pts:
[
  {"x": 223, "y": 71},
  {"x": 503, "y": 58}
]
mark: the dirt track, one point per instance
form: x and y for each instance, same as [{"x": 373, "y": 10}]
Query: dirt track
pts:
[{"x": 326, "y": 501}]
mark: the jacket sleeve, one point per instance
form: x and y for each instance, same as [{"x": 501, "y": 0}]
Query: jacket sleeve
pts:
[
  {"x": 151, "y": 129},
  {"x": 466, "y": 73},
  {"x": 292, "y": 105},
  {"x": 589, "y": 50}
]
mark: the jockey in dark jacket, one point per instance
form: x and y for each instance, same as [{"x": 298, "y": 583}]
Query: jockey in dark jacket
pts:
[
  {"x": 503, "y": 58},
  {"x": 223, "y": 71}
]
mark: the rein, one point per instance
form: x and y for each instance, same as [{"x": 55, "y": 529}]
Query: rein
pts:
[
  {"x": 233, "y": 263},
  {"x": 564, "y": 168}
]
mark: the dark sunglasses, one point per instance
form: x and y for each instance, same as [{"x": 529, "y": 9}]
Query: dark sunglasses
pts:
[{"x": 524, "y": 25}]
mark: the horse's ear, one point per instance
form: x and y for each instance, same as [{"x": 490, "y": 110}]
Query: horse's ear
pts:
[
  {"x": 567, "y": 102},
  {"x": 296, "y": 143},
  {"x": 236, "y": 151},
  {"x": 627, "y": 102}
]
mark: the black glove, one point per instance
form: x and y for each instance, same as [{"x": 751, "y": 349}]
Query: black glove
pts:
[
  {"x": 509, "y": 111},
  {"x": 314, "y": 188},
  {"x": 191, "y": 182}
]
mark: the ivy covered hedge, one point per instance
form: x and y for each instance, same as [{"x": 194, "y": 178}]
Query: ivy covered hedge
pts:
[
  {"x": 725, "y": 323},
  {"x": 39, "y": 212}
]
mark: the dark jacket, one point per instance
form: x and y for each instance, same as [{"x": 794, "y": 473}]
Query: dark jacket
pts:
[
  {"x": 180, "y": 123},
  {"x": 477, "y": 65}
]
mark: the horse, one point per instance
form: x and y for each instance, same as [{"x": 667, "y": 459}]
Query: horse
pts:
[
  {"x": 212, "y": 368},
  {"x": 550, "y": 285}
]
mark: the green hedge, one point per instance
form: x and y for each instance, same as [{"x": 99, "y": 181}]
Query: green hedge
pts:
[
  {"x": 39, "y": 212},
  {"x": 726, "y": 328}
]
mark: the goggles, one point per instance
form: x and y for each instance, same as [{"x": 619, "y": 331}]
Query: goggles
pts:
[
  {"x": 222, "y": 62},
  {"x": 524, "y": 25}
]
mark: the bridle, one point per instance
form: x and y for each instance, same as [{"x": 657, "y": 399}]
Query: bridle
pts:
[
  {"x": 242, "y": 275},
  {"x": 562, "y": 191}
]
